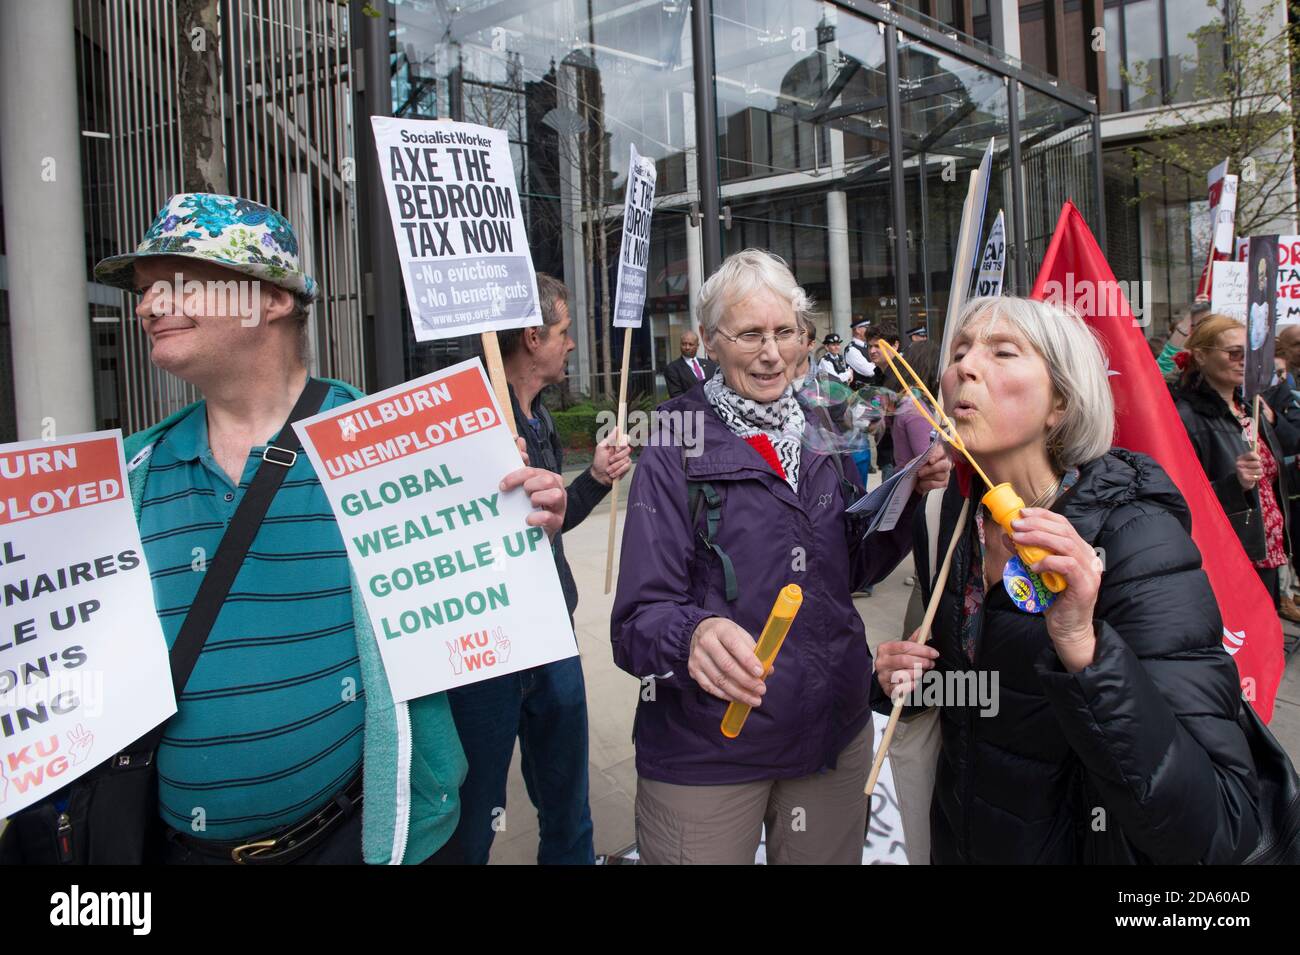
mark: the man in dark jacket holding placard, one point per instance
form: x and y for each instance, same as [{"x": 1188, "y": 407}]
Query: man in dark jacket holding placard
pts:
[{"x": 545, "y": 707}]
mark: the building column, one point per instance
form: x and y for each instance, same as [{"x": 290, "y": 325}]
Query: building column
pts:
[
  {"x": 694, "y": 242},
  {"x": 837, "y": 207},
  {"x": 299, "y": 214},
  {"x": 837, "y": 228},
  {"x": 706, "y": 132},
  {"x": 571, "y": 217},
  {"x": 40, "y": 163},
  {"x": 694, "y": 270},
  {"x": 381, "y": 272},
  {"x": 1004, "y": 17}
]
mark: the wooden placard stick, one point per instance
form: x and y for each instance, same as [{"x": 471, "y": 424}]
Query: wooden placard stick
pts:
[
  {"x": 922, "y": 636},
  {"x": 496, "y": 370},
  {"x": 622, "y": 427},
  {"x": 1255, "y": 434},
  {"x": 961, "y": 279}
]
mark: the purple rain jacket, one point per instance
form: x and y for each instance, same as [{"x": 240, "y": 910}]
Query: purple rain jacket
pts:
[{"x": 817, "y": 694}]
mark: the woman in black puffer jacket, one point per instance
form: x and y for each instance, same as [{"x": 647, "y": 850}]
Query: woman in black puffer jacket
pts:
[
  {"x": 1251, "y": 485},
  {"x": 1107, "y": 730}
]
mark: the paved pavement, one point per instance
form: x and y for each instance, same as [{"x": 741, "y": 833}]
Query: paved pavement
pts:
[{"x": 612, "y": 696}]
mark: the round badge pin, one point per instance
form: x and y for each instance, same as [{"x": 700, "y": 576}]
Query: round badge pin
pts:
[{"x": 1024, "y": 587}]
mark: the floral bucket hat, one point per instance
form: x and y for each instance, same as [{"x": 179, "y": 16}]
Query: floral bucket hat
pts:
[{"x": 245, "y": 236}]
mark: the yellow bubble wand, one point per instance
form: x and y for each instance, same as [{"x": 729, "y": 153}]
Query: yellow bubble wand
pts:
[
  {"x": 1001, "y": 500},
  {"x": 787, "y": 605}
]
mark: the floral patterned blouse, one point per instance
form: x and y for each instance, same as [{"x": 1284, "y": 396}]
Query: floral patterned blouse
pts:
[{"x": 1274, "y": 527}]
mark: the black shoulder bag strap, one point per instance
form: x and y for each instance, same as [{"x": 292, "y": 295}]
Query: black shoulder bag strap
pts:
[{"x": 279, "y": 456}]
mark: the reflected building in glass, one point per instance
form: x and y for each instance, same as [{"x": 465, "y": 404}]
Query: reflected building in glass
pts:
[
  {"x": 1140, "y": 59},
  {"x": 840, "y": 135}
]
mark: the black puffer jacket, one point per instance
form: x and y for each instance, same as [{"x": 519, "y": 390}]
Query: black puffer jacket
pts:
[
  {"x": 1136, "y": 759},
  {"x": 1216, "y": 436}
]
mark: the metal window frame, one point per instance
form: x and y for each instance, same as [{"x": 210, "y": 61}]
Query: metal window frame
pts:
[
  {"x": 894, "y": 23},
  {"x": 376, "y": 99}
]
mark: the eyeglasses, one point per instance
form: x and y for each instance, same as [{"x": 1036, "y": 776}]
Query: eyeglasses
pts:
[
  {"x": 1234, "y": 354},
  {"x": 749, "y": 342}
]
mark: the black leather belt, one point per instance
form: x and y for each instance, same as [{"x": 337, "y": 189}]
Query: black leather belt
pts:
[{"x": 285, "y": 845}]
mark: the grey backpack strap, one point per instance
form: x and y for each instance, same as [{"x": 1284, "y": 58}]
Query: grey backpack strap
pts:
[{"x": 703, "y": 498}]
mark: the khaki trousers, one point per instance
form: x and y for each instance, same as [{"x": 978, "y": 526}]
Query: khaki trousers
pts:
[{"x": 815, "y": 820}]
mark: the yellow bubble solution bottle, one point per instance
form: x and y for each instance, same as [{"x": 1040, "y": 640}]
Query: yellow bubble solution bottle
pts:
[
  {"x": 788, "y": 602},
  {"x": 1005, "y": 504},
  {"x": 1002, "y": 500}
]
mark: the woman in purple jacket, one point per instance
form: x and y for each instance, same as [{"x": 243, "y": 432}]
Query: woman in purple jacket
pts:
[{"x": 728, "y": 504}]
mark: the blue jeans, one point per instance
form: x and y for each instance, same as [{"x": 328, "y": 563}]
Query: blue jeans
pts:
[{"x": 546, "y": 708}]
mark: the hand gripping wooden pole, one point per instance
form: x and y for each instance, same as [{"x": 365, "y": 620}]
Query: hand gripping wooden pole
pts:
[{"x": 922, "y": 636}]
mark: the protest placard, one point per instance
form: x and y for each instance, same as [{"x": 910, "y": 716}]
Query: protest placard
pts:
[
  {"x": 1224, "y": 216},
  {"x": 1228, "y": 289},
  {"x": 1261, "y": 319},
  {"x": 968, "y": 246},
  {"x": 457, "y": 585},
  {"x": 993, "y": 261},
  {"x": 459, "y": 226},
  {"x": 1287, "y": 307},
  {"x": 634, "y": 254},
  {"x": 83, "y": 661},
  {"x": 629, "y": 300},
  {"x": 1222, "y": 191}
]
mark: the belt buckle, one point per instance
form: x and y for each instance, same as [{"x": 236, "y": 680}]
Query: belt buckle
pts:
[{"x": 252, "y": 849}]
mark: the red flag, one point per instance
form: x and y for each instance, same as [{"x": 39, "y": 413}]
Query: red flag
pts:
[{"x": 1075, "y": 272}]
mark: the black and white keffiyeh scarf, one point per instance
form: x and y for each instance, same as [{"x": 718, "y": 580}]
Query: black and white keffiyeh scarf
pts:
[{"x": 781, "y": 421}]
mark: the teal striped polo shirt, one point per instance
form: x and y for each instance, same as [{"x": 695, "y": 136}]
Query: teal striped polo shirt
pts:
[{"x": 270, "y": 724}]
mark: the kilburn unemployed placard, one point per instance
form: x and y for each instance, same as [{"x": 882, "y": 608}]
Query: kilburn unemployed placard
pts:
[
  {"x": 458, "y": 587},
  {"x": 459, "y": 227},
  {"x": 83, "y": 661}
]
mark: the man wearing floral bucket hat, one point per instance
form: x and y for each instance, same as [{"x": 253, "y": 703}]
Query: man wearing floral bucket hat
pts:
[{"x": 287, "y": 745}]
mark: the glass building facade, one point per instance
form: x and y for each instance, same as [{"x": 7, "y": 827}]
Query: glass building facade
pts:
[
  {"x": 842, "y": 137},
  {"x": 839, "y": 135}
]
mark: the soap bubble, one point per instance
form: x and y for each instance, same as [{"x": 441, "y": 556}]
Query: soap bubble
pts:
[{"x": 841, "y": 420}]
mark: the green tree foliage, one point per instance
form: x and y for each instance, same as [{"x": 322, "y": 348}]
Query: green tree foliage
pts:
[{"x": 1241, "y": 107}]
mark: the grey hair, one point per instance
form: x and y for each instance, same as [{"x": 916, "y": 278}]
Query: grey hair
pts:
[
  {"x": 740, "y": 276},
  {"x": 1076, "y": 365},
  {"x": 809, "y": 326}
]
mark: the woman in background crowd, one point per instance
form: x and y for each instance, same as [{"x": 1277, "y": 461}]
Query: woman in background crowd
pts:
[{"x": 1245, "y": 475}]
